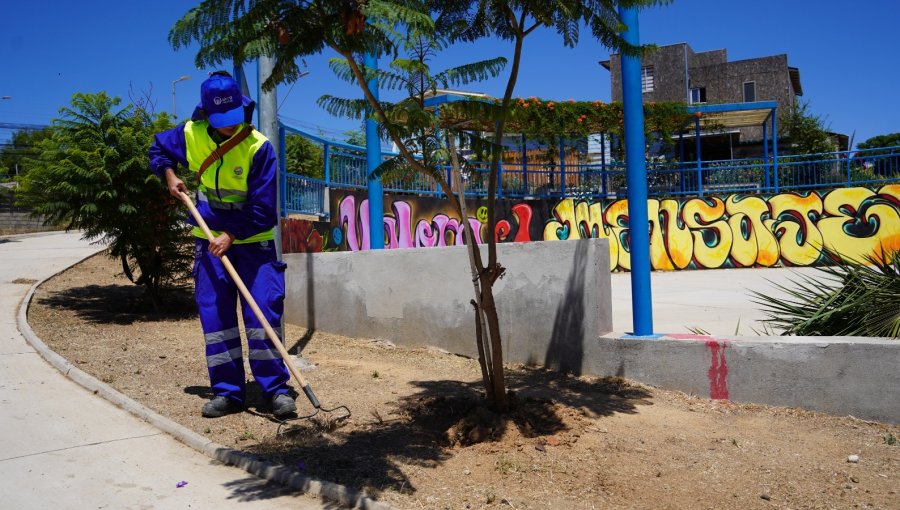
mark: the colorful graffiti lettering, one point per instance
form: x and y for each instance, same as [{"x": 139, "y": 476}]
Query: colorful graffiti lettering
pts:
[
  {"x": 709, "y": 232},
  {"x": 440, "y": 230}
]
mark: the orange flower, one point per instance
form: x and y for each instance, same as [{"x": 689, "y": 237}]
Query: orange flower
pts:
[{"x": 572, "y": 101}]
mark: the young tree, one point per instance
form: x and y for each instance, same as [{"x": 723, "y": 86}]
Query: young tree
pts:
[
  {"x": 806, "y": 130},
  {"x": 22, "y": 146},
  {"x": 356, "y": 136},
  {"x": 91, "y": 174},
  {"x": 304, "y": 157},
  {"x": 877, "y": 142},
  {"x": 230, "y": 29}
]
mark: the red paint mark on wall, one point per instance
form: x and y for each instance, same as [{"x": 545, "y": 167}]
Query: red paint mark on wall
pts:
[{"x": 718, "y": 371}]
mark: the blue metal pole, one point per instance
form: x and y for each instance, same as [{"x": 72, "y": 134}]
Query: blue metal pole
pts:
[
  {"x": 636, "y": 177},
  {"x": 849, "y": 165},
  {"x": 699, "y": 158},
  {"x": 562, "y": 168},
  {"x": 282, "y": 169},
  {"x": 603, "y": 164},
  {"x": 681, "y": 160},
  {"x": 775, "y": 149},
  {"x": 524, "y": 166},
  {"x": 373, "y": 159},
  {"x": 327, "y": 156},
  {"x": 766, "y": 151}
]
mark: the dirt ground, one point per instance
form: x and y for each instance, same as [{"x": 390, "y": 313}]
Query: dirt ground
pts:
[{"x": 417, "y": 437}]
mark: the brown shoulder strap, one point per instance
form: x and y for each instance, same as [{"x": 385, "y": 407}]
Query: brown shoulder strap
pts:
[{"x": 223, "y": 149}]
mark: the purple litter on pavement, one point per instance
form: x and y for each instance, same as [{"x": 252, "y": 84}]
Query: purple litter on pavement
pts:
[{"x": 180, "y": 484}]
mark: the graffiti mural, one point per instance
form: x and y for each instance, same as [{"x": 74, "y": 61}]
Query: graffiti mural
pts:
[
  {"x": 303, "y": 236},
  {"x": 693, "y": 233}
]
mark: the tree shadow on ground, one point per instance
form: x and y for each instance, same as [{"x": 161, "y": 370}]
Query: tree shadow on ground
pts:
[
  {"x": 423, "y": 429},
  {"x": 252, "y": 488},
  {"x": 122, "y": 304}
]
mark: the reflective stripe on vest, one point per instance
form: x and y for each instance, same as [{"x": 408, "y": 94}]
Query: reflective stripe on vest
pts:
[{"x": 223, "y": 186}]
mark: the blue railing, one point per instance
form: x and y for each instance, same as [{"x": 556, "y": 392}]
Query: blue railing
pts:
[
  {"x": 303, "y": 195},
  {"x": 345, "y": 167}
]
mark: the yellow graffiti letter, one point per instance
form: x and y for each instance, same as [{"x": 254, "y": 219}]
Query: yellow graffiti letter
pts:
[
  {"x": 798, "y": 237},
  {"x": 712, "y": 235},
  {"x": 754, "y": 242}
]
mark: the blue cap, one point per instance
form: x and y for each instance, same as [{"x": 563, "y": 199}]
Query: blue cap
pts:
[{"x": 221, "y": 99}]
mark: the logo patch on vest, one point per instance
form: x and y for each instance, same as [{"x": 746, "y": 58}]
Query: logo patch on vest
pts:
[{"x": 238, "y": 170}]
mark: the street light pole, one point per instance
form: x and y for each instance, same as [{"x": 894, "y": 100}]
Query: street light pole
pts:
[{"x": 174, "y": 111}]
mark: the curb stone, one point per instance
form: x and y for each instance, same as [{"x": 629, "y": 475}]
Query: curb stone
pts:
[{"x": 327, "y": 491}]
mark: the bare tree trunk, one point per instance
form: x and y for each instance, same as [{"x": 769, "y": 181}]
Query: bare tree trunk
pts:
[{"x": 485, "y": 359}]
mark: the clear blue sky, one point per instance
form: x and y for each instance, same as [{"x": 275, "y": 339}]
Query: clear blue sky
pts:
[{"x": 846, "y": 53}]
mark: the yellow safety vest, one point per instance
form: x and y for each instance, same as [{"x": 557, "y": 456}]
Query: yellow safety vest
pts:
[{"x": 224, "y": 184}]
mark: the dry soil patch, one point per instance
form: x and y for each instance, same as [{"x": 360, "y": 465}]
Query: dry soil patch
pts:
[{"x": 419, "y": 439}]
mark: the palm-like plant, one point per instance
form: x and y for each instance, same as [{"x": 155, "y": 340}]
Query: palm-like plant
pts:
[{"x": 851, "y": 298}]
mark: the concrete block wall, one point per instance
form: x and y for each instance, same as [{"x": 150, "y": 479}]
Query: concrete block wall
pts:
[
  {"x": 22, "y": 222},
  {"x": 553, "y": 300}
]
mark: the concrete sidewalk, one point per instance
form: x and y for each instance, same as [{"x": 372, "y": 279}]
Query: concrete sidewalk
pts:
[
  {"x": 717, "y": 301},
  {"x": 62, "y": 447}
]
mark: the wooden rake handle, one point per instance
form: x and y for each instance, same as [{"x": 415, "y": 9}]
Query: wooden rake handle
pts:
[{"x": 273, "y": 337}]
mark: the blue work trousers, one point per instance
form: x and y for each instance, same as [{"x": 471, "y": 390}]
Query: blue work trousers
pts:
[{"x": 216, "y": 295}]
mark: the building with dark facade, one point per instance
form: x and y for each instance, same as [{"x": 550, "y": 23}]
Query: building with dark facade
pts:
[{"x": 677, "y": 73}]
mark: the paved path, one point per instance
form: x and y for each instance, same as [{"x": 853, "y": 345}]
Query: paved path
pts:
[
  {"x": 716, "y": 301},
  {"x": 62, "y": 447}
]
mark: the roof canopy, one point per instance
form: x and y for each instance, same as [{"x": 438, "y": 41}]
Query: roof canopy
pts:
[{"x": 734, "y": 115}]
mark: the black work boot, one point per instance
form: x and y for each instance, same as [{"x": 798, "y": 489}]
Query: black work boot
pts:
[
  {"x": 283, "y": 405},
  {"x": 220, "y": 406}
]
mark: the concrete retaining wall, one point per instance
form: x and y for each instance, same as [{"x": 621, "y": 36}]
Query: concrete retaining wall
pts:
[
  {"x": 22, "y": 222},
  {"x": 836, "y": 375},
  {"x": 554, "y": 298},
  {"x": 554, "y": 308}
]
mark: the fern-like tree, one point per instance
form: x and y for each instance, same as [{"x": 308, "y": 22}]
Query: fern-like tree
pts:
[
  {"x": 91, "y": 174},
  {"x": 288, "y": 31}
]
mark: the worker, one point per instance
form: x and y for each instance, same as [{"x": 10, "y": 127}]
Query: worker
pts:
[{"x": 236, "y": 195}]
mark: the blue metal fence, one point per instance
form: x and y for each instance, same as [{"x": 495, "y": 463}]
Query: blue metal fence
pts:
[
  {"x": 345, "y": 167},
  {"x": 303, "y": 195}
]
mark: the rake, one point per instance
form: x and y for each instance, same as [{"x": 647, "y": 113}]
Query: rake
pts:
[{"x": 273, "y": 337}]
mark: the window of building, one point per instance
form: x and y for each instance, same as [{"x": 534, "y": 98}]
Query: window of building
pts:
[
  {"x": 647, "y": 79},
  {"x": 698, "y": 95},
  {"x": 749, "y": 91}
]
